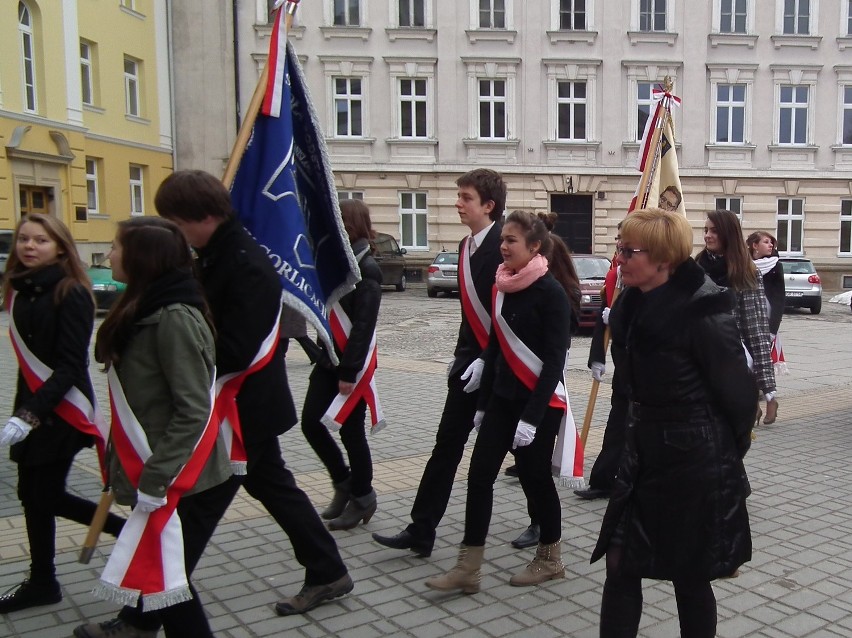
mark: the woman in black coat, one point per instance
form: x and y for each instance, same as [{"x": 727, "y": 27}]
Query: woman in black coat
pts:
[
  {"x": 678, "y": 507},
  {"x": 354, "y": 497},
  {"x": 50, "y": 299},
  {"x": 764, "y": 251}
]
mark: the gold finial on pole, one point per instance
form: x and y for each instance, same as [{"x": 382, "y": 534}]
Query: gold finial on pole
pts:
[{"x": 668, "y": 85}]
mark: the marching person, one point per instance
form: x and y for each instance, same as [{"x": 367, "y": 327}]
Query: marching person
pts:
[
  {"x": 354, "y": 497},
  {"x": 678, "y": 507},
  {"x": 522, "y": 400},
  {"x": 51, "y": 316},
  {"x": 764, "y": 251},
  {"x": 156, "y": 344},
  {"x": 244, "y": 293},
  {"x": 726, "y": 259},
  {"x": 480, "y": 204}
]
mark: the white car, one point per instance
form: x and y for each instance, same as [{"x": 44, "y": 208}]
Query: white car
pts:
[
  {"x": 443, "y": 274},
  {"x": 802, "y": 284}
]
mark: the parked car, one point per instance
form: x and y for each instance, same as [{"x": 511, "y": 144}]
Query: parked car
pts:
[
  {"x": 591, "y": 271},
  {"x": 802, "y": 284},
  {"x": 443, "y": 274},
  {"x": 105, "y": 288},
  {"x": 391, "y": 260}
]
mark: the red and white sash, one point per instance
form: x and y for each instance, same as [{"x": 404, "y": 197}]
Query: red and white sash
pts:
[
  {"x": 567, "y": 457},
  {"x": 75, "y": 407},
  {"x": 475, "y": 313},
  {"x": 148, "y": 559},
  {"x": 365, "y": 381},
  {"x": 228, "y": 387}
]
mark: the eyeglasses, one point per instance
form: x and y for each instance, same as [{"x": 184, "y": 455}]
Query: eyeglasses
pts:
[{"x": 627, "y": 253}]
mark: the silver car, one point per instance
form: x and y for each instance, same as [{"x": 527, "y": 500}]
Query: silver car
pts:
[
  {"x": 443, "y": 274},
  {"x": 802, "y": 284}
]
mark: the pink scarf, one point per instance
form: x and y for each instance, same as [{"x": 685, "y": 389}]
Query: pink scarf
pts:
[{"x": 507, "y": 281}]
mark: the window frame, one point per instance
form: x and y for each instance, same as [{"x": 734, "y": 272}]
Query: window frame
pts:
[
  {"x": 666, "y": 12},
  {"x": 734, "y": 13},
  {"x": 572, "y": 12},
  {"x": 425, "y": 10},
  {"x": 414, "y": 101},
  {"x": 794, "y": 107},
  {"x": 572, "y": 102},
  {"x": 137, "y": 185},
  {"x": 477, "y": 69},
  {"x": 492, "y": 101},
  {"x": 349, "y": 98},
  {"x": 724, "y": 203},
  {"x": 732, "y": 106},
  {"x": 415, "y": 214},
  {"x": 813, "y": 18},
  {"x": 654, "y": 74},
  {"x": 133, "y": 98},
  {"x": 29, "y": 63},
  {"x": 93, "y": 185},
  {"x": 844, "y": 114},
  {"x": 87, "y": 72},
  {"x": 347, "y": 19},
  {"x": 789, "y": 217},
  {"x": 476, "y": 15},
  {"x": 845, "y": 222},
  {"x": 350, "y": 194}
]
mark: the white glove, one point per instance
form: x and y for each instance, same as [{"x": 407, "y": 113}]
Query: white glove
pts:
[
  {"x": 477, "y": 419},
  {"x": 16, "y": 430},
  {"x": 598, "y": 370},
  {"x": 524, "y": 435},
  {"x": 605, "y": 315},
  {"x": 147, "y": 503},
  {"x": 474, "y": 373}
]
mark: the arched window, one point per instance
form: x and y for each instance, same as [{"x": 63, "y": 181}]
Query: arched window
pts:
[{"x": 25, "y": 27}]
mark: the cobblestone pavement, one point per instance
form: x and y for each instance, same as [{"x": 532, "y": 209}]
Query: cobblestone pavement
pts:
[{"x": 799, "y": 582}]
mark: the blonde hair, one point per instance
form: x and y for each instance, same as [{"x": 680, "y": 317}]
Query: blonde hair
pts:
[{"x": 666, "y": 235}]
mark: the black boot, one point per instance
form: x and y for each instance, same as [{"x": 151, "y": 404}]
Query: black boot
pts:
[
  {"x": 359, "y": 508},
  {"x": 342, "y": 492},
  {"x": 29, "y": 594},
  {"x": 529, "y": 538}
]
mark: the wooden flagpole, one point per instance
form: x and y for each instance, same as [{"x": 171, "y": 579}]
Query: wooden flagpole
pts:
[{"x": 96, "y": 527}]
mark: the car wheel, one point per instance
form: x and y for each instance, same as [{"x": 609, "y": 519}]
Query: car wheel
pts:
[
  {"x": 816, "y": 308},
  {"x": 431, "y": 292},
  {"x": 400, "y": 286}
]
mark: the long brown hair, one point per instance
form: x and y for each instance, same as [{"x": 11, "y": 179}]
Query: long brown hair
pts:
[
  {"x": 742, "y": 273},
  {"x": 755, "y": 238},
  {"x": 151, "y": 247},
  {"x": 68, "y": 259},
  {"x": 356, "y": 221}
]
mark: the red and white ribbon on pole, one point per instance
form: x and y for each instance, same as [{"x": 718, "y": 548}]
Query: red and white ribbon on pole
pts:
[
  {"x": 567, "y": 457},
  {"x": 75, "y": 407},
  {"x": 365, "y": 381},
  {"x": 228, "y": 387},
  {"x": 148, "y": 559},
  {"x": 475, "y": 313}
]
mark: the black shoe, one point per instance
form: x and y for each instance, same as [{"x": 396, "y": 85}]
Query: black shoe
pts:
[
  {"x": 512, "y": 471},
  {"x": 529, "y": 538},
  {"x": 591, "y": 493},
  {"x": 406, "y": 540},
  {"x": 312, "y": 596},
  {"x": 29, "y": 594}
]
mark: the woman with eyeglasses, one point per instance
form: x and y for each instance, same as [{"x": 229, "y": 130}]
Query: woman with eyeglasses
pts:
[
  {"x": 726, "y": 260},
  {"x": 678, "y": 506}
]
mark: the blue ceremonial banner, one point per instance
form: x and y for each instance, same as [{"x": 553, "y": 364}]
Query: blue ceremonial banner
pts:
[{"x": 285, "y": 196}]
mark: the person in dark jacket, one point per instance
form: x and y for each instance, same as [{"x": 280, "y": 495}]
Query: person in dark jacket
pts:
[
  {"x": 53, "y": 312},
  {"x": 678, "y": 507},
  {"x": 244, "y": 293},
  {"x": 764, "y": 251},
  {"x": 354, "y": 496},
  {"x": 519, "y": 405}
]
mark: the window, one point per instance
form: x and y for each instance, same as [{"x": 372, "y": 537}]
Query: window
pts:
[
  {"x": 571, "y": 111},
  {"x": 846, "y": 123},
  {"x": 733, "y": 16},
  {"x": 730, "y": 113},
  {"x": 412, "y": 220},
  {"x": 796, "y": 17},
  {"x": 644, "y": 104},
  {"x": 348, "y": 105},
  {"x": 131, "y": 87},
  {"x": 412, "y": 108},
  {"x": 733, "y": 204},
  {"x": 492, "y": 109},
  {"x": 341, "y": 195},
  {"x": 137, "y": 194},
  {"x": 25, "y": 28},
  {"x": 572, "y": 15},
  {"x": 790, "y": 218},
  {"x": 129, "y": 4},
  {"x": 86, "y": 73},
  {"x": 92, "y": 198},
  {"x": 492, "y": 14},
  {"x": 846, "y": 226},
  {"x": 848, "y": 17},
  {"x": 412, "y": 13},
  {"x": 652, "y": 15},
  {"x": 793, "y": 114},
  {"x": 347, "y": 13}
]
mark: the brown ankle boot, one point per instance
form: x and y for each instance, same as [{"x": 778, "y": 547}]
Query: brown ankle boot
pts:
[
  {"x": 547, "y": 565},
  {"x": 466, "y": 575}
]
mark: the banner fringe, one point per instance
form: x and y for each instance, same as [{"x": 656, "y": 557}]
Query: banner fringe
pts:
[
  {"x": 239, "y": 468},
  {"x": 378, "y": 427},
  {"x": 113, "y": 593},
  {"x": 330, "y": 423},
  {"x": 163, "y": 599},
  {"x": 572, "y": 482}
]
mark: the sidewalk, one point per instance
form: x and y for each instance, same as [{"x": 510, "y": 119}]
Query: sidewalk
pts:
[{"x": 799, "y": 582}]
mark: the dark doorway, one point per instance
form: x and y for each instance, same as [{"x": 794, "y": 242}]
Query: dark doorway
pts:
[{"x": 574, "y": 220}]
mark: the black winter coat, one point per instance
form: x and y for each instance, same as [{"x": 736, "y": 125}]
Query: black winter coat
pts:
[
  {"x": 244, "y": 293},
  {"x": 773, "y": 287},
  {"x": 678, "y": 506},
  {"x": 59, "y": 336}
]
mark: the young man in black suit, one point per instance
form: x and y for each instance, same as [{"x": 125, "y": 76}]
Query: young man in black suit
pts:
[{"x": 481, "y": 201}]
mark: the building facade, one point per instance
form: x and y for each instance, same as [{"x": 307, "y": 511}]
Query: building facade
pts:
[
  {"x": 85, "y": 113},
  {"x": 554, "y": 95}
]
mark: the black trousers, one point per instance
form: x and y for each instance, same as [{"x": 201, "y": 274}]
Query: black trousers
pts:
[
  {"x": 436, "y": 484},
  {"x": 534, "y": 470},
  {"x": 605, "y": 467},
  {"x": 321, "y": 392},
  {"x": 41, "y": 489}
]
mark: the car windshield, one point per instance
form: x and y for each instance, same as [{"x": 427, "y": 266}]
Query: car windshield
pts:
[
  {"x": 798, "y": 267},
  {"x": 591, "y": 267},
  {"x": 386, "y": 244},
  {"x": 447, "y": 258}
]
